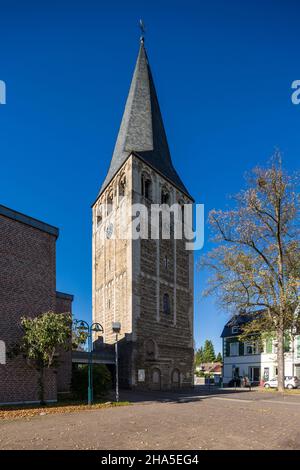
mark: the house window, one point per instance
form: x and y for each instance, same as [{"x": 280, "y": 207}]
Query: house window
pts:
[
  {"x": 254, "y": 374},
  {"x": 235, "y": 330},
  {"x": 234, "y": 349},
  {"x": 251, "y": 347},
  {"x": 166, "y": 304}
]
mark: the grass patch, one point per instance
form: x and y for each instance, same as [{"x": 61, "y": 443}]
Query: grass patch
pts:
[
  {"x": 294, "y": 391},
  {"x": 9, "y": 412}
]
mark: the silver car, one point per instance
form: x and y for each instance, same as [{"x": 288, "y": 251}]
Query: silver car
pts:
[{"x": 289, "y": 382}]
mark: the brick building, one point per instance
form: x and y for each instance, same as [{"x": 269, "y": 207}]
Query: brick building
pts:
[
  {"x": 27, "y": 288},
  {"x": 145, "y": 284}
]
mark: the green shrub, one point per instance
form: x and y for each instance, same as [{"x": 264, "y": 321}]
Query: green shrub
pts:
[{"x": 102, "y": 381}]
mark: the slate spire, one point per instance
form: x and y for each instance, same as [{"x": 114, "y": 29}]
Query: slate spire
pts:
[{"x": 142, "y": 129}]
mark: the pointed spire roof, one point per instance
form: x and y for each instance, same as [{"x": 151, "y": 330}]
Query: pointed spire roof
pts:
[{"x": 142, "y": 129}]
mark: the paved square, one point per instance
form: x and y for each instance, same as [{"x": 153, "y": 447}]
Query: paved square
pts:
[{"x": 196, "y": 420}]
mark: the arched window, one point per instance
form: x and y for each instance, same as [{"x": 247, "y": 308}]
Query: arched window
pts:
[
  {"x": 181, "y": 203},
  {"x": 165, "y": 196},
  {"x": 109, "y": 204},
  {"x": 2, "y": 353},
  {"x": 146, "y": 187},
  {"x": 166, "y": 304},
  {"x": 99, "y": 214},
  {"x": 175, "y": 378},
  {"x": 122, "y": 184}
]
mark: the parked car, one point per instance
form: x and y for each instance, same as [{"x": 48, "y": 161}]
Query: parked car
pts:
[{"x": 289, "y": 382}]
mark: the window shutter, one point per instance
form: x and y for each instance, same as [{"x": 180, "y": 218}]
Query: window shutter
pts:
[
  {"x": 227, "y": 348},
  {"x": 269, "y": 343},
  {"x": 286, "y": 343},
  {"x": 241, "y": 348}
]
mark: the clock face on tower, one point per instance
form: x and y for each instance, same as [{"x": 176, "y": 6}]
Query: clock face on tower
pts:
[{"x": 109, "y": 230}]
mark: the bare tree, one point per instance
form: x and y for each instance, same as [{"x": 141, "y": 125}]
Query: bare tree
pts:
[{"x": 256, "y": 265}]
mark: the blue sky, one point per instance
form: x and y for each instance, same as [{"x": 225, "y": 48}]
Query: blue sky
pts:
[{"x": 223, "y": 72}]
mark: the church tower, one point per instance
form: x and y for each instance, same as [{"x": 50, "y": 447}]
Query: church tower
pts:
[{"x": 145, "y": 284}]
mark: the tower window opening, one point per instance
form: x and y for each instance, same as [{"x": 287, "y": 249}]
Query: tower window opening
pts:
[
  {"x": 181, "y": 203},
  {"x": 109, "y": 204},
  {"x": 122, "y": 185},
  {"x": 166, "y": 304},
  {"x": 146, "y": 187},
  {"x": 99, "y": 215},
  {"x": 166, "y": 262},
  {"x": 165, "y": 197}
]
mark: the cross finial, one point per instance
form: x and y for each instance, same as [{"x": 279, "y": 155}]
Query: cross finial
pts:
[{"x": 143, "y": 30}]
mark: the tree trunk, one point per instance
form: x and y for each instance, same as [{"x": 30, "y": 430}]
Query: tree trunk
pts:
[
  {"x": 280, "y": 360},
  {"x": 41, "y": 386}
]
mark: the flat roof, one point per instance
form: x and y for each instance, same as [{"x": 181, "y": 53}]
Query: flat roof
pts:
[
  {"x": 27, "y": 220},
  {"x": 63, "y": 295}
]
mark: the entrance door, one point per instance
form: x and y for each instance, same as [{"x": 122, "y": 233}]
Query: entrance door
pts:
[{"x": 156, "y": 379}]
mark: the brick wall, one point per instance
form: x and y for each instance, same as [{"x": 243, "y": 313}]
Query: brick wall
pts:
[
  {"x": 64, "y": 370},
  {"x": 27, "y": 288}
]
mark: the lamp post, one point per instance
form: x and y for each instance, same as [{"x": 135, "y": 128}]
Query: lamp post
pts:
[
  {"x": 116, "y": 327},
  {"x": 84, "y": 327}
]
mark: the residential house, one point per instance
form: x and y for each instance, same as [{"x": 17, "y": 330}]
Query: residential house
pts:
[{"x": 255, "y": 358}]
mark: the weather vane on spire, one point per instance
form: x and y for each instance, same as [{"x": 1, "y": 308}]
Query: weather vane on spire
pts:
[{"x": 143, "y": 30}]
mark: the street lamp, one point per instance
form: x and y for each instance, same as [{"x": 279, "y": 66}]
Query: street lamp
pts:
[
  {"x": 84, "y": 327},
  {"x": 116, "y": 327}
]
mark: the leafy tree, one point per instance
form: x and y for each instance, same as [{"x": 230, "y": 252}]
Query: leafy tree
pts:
[
  {"x": 199, "y": 356},
  {"x": 219, "y": 357},
  {"x": 208, "y": 352},
  {"x": 256, "y": 266},
  {"x": 42, "y": 337}
]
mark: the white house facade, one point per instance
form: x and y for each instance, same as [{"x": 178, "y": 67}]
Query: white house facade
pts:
[{"x": 255, "y": 359}]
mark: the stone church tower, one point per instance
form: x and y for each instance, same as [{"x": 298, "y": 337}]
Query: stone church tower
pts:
[{"x": 145, "y": 284}]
